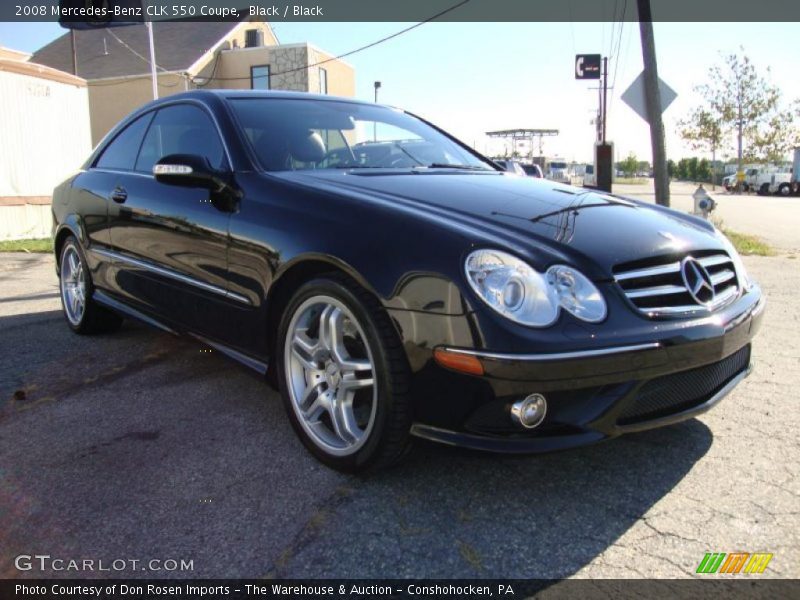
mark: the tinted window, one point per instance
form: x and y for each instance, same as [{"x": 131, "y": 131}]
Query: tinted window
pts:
[
  {"x": 181, "y": 129},
  {"x": 309, "y": 134},
  {"x": 121, "y": 153}
]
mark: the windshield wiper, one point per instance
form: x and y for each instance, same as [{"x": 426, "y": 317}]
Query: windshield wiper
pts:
[
  {"x": 462, "y": 167},
  {"x": 574, "y": 207}
]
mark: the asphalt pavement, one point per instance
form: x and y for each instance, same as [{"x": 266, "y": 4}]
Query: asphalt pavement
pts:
[{"x": 139, "y": 446}]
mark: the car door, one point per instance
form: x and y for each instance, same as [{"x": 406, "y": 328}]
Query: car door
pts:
[
  {"x": 93, "y": 190},
  {"x": 171, "y": 242}
]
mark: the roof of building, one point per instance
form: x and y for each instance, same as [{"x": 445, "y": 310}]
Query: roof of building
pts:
[
  {"x": 40, "y": 71},
  {"x": 125, "y": 51}
]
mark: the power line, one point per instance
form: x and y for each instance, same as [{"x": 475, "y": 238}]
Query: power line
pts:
[
  {"x": 360, "y": 49},
  {"x": 619, "y": 48},
  {"x": 138, "y": 55}
]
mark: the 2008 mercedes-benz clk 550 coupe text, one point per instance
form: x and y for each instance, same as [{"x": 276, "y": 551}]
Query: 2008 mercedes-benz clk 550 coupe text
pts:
[{"x": 393, "y": 283}]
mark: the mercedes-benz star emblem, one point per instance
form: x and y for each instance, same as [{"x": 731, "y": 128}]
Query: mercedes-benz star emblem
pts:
[{"x": 697, "y": 281}]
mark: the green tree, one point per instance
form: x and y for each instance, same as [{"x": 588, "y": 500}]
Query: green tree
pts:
[
  {"x": 629, "y": 165},
  {"x": 692, "y": 169},
  {"x": 744, "y": 101},
  {"x": 703, "y": 170},
  {"x": 671, "y": 168},
  {"x": 683, "y": 169},
  {"x": 704, "y": 130}
]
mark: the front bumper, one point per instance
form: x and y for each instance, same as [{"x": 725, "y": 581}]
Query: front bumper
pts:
[{"x": 595, "y": 394}]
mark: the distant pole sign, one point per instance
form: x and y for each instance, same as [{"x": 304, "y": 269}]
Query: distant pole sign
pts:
[{"x": 587, "y": 66}]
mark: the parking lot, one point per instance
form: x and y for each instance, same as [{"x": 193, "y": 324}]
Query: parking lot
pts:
[{"x": 139, "y": 445}]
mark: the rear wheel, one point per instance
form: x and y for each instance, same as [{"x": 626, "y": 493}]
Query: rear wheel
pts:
[
  {"x": 763, "y": 190},
  {"x": 343, "y": 376},
  {"x": 83, "y": 314},
  {"x": 784, "y": 189}
]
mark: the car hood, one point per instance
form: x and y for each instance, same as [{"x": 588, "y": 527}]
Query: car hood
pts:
[{"x": 603, "y": 229}]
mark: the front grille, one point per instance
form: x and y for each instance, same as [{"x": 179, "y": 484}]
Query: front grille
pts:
[
  {"x": 657, "y": 287},
  {"x": 674, "y": 393}
]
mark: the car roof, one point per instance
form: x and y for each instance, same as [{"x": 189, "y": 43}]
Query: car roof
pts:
[{"x": 249, "y": 94}]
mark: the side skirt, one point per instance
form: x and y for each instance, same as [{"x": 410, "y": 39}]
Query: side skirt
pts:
[{"x": 120, "y": 307}]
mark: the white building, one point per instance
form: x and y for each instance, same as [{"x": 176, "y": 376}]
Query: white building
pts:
[{"x": 44, "y": 136}]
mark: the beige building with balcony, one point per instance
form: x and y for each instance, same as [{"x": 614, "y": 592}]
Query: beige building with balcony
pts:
[{"x": 243, "y": 55}]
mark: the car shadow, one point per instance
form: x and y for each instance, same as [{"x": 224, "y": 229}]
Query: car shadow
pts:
[
  {"x": 447, "y": 512},
  {"x": 142, "y": 444}
]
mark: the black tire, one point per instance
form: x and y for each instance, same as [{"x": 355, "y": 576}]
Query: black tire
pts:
[
  {"x": 763, "y": 190},
  {"x": 389, "y": 439},
  {"x": 94, "y": 318},
  {"x": 784, "y": 189}
]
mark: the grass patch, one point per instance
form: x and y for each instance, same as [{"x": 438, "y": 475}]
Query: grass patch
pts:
[
  {"x": 748, "y": 244},
  {"x": 631, "y": 180},
  {"x": 44, "y": 245}
]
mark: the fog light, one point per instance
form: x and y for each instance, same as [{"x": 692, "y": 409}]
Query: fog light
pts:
[{"x": 529, "y": 412}]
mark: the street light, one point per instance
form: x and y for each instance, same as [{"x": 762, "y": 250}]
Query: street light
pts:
[{"x": 375, "y": 123}]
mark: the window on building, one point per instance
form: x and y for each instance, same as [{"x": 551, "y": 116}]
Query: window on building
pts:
[
  {"x": 323, "y": 81},
  {"x": 259, "y": 77},
  {"x": 253, "y": 38}
]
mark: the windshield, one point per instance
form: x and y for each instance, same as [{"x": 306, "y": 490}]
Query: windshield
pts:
[
  {"x": 299, "y": 134},
  {"x": 558, "y": 165}
]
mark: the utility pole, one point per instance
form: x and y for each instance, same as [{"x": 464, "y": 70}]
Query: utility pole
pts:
[
  {"x": 375, "y": 123},
  {"x": 605, "y": 96},
  {"x": 652, "y": 97},
  {"x": 739, "y": 134},
  {"x": 153, "y": 73}
]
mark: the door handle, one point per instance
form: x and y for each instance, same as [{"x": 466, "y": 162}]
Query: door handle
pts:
[{"x": 119, "y": 195}]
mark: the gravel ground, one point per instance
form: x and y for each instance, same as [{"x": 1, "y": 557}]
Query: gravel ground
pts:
[{"x": 138, "y": 445}]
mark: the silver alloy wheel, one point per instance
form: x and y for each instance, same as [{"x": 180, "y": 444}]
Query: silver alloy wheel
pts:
[
  {"x": 73, "y": 285},
  {"x": 330, "y": 375}
]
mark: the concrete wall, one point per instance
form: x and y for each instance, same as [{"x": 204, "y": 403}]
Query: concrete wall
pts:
[
  {"x": 110, "y": 100},
  {"x": 286, "y": 64},
  {"x": 341, "y": 76},
  {"x": 289, "y": 69}
]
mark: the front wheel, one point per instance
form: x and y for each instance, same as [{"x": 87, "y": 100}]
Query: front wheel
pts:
[
  {"x": 344, "y": 376},
  {"x": 784, "y": 189}
]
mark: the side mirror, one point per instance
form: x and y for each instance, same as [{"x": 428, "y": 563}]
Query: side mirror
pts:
[{"x": 189, "y": 170}]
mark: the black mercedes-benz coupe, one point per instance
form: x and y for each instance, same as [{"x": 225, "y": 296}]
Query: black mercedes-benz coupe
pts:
[{"x": 393, "y": 283}]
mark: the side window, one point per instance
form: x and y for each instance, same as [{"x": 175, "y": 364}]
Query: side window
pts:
[
  {"x": 181, "y": 129},
  {"x": 121, "y": 152}
]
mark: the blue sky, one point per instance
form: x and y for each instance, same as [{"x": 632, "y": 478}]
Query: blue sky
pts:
[{"x": 474, "y": 77}]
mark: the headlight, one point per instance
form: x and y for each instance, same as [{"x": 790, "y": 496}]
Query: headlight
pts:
[
  {"x": 520, "y": 293},
  {"x": 741, "y": 272},
  {"x": 577, "y": 294}
]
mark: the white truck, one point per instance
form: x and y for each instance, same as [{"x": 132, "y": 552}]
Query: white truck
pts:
[
  {"x": 558, "y": 170},
  {"x": 763, "y": 181}
]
